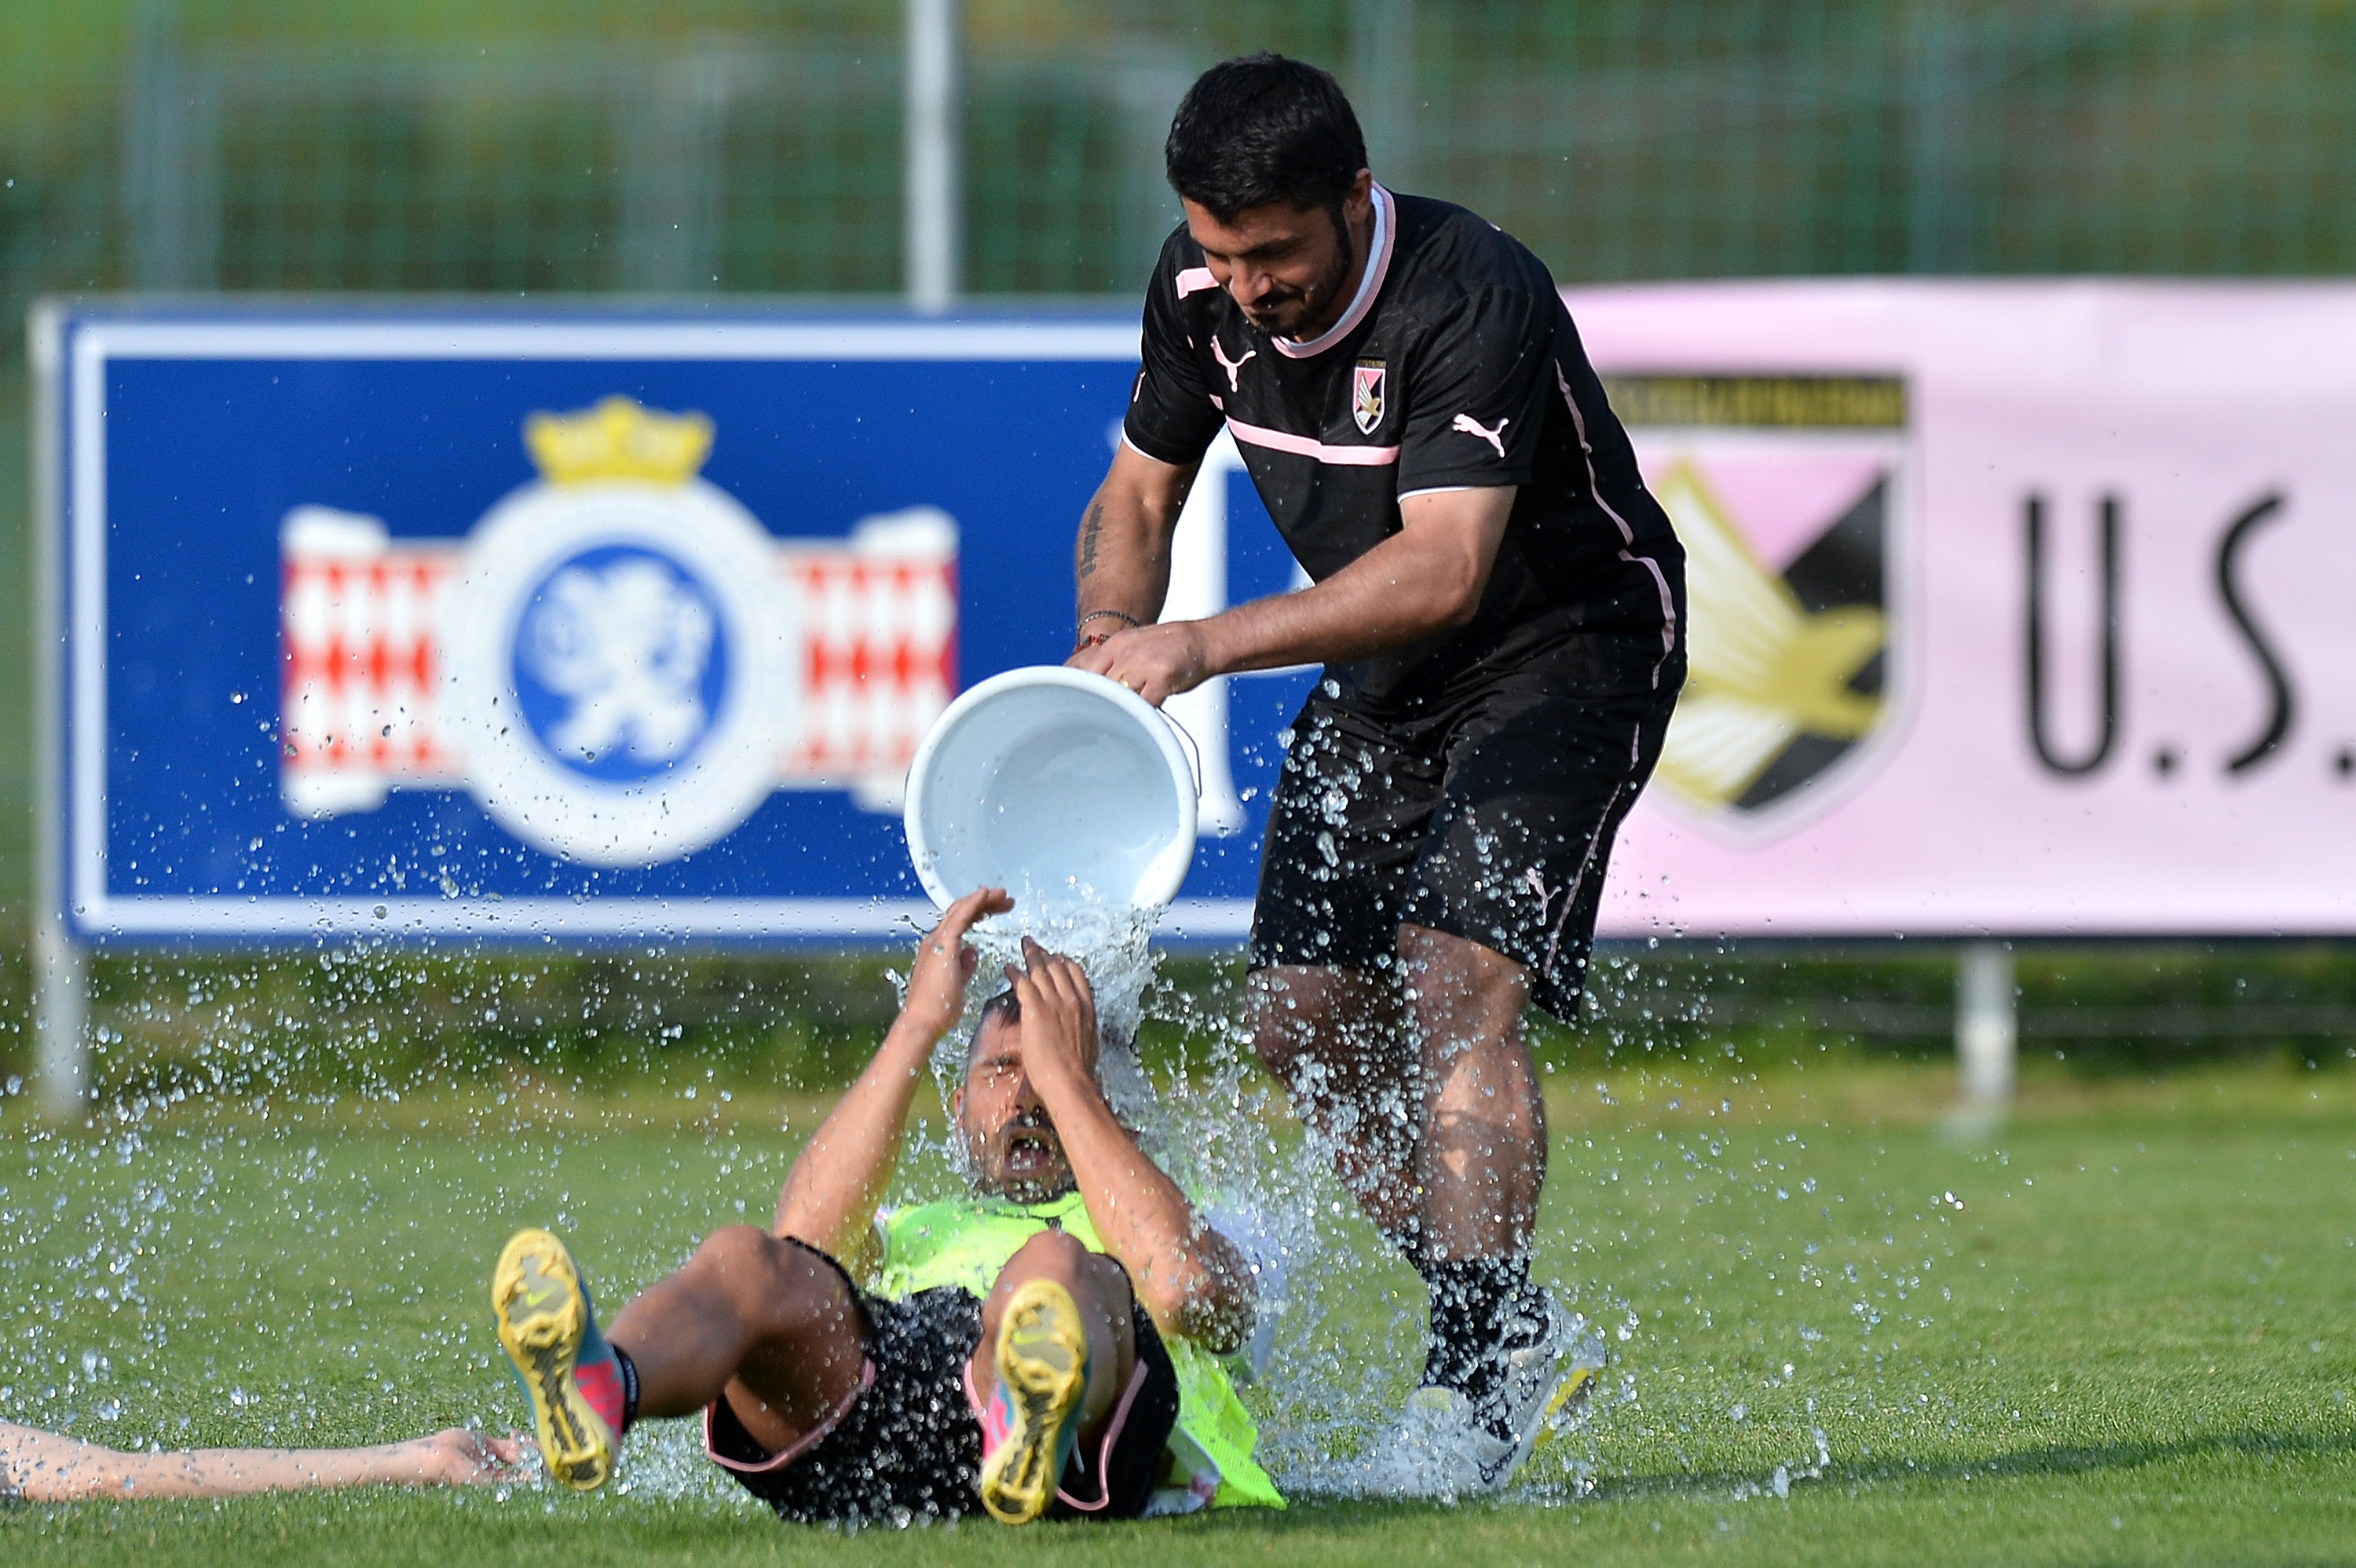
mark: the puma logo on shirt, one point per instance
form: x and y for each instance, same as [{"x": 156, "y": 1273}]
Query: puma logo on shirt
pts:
[
  {"x": 1472, "y": 426},
  {"x": 1233, "y": 367}
]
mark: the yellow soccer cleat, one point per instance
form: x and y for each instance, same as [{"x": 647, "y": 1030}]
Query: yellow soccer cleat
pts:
[
  {"x": 544, "y": 1318},
  {"x": 1032, "y": 1421}
]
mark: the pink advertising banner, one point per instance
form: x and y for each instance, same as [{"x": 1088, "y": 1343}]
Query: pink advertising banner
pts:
[{"x": 2018, "y": 608}]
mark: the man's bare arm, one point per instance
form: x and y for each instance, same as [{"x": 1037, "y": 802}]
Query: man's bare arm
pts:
[
  {"x": 48, "y": 1467},
  {"x": 1424, "y": 580},
  {"x": 830, "y": 1196},
  {"x": 1120, "y": 560},
  {"x": 1189, "y": 1277}
]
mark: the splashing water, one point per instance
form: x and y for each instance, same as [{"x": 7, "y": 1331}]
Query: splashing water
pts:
[
  {"x": 1326, "y": 1377},
  {"x": 279, "y": 1235}
]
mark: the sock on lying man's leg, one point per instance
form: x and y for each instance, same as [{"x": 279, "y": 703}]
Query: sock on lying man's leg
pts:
[{"x": 609, "y": 1379}]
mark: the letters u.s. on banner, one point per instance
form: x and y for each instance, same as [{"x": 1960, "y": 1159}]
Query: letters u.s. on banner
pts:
[{"x": 2017, "y": 608}]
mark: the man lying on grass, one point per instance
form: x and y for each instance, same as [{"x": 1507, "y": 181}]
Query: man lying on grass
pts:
[
  {"x": 1045, "y": 1344},
  {"x": 50, "y": 1467}
]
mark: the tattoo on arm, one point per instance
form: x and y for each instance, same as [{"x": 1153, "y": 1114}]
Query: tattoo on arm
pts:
[{"x": 1088, "y": 532}]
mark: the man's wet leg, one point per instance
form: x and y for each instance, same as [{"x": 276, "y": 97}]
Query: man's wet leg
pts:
[
  {"x": 1483, "y": 1149},
  {"x": 1057, "y": 1347},
  {"x": 766, "y": 1322},
  {"x": 1336, "y": 1040},
  {"x": 1100, "y": 1290}
]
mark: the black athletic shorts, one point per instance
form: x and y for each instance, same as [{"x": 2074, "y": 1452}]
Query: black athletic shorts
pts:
[
  {"x": 1488, "y": 814},
  {"x": 908, "y": 1441}
]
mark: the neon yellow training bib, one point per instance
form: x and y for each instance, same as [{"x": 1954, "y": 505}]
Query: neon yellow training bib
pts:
[{"x": 964, "y": 1242}]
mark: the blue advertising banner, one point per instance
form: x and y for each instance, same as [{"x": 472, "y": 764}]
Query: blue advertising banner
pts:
[{"x": 574, "y": 627}]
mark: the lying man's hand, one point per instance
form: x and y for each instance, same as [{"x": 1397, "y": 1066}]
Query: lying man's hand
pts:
[
  {"x": 458, "y": 1457},
  {"x": 830, "y": 1195},
  {"x": 1059, "y": 1014},
  {"x": 1187, "y": 1274},
  {"x": 945, "y": 964}
]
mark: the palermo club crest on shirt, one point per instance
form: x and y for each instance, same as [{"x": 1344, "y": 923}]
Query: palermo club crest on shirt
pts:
[
  {"x": 1366, "y": 395},
  {"x": 619, "y": 662},
  {"x": 1788, "y": 492}
]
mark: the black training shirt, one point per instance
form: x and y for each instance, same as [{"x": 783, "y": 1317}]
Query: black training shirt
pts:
[{"x": 1455, "y": 365}]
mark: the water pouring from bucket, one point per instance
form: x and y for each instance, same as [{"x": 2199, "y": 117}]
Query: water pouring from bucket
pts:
[{"x": 1077, "y": 797}]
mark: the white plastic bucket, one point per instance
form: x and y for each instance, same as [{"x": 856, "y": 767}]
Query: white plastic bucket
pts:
[{"x": 1058, "y": 785}]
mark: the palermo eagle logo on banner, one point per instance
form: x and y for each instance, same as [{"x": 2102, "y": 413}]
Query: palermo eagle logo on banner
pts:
[{"x": 1785, "y": 491}]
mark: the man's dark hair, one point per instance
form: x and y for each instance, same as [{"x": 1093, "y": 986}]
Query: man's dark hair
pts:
[
  {"x": 1006, "y": 1007},
  {"x": 1262, "y": 128}
]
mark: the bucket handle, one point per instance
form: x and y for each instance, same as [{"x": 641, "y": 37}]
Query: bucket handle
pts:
[{"x": 1194, "y": 751}]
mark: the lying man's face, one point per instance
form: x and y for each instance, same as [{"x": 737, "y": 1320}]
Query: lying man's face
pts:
[{"x": 1014, "y": 1151}]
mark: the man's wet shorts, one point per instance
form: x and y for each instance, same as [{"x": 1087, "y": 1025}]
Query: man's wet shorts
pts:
[
  {"x": 1488, "y": 814},
  {"x": 906, "y": 1442}
]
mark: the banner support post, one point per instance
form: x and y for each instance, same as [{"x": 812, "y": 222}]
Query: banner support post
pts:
[
  {"x": 61, "y": 1023},
  {"x": 934, "y": 194},
  {"x": 61, "y": 1000},
  {"x": 1988, "y": 1021}
]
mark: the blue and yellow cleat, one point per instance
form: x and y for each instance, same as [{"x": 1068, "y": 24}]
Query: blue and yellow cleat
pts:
[
  {"x": 545, "y": 1318},
  {"x": 1031, "y": 1423}
]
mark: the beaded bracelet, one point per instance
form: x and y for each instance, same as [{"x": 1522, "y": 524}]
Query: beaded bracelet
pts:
[{"x": 1098, "y": 639}]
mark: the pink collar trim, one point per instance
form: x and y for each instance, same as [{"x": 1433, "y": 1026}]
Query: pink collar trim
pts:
[{"x": 1377, "y": 268}]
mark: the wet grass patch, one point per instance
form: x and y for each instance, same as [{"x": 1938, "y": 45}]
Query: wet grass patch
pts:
[{"x": 2113, "y": 1327}]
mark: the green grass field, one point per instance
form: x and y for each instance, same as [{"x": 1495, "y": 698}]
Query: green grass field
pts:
[{"x": 2125, "y": 1337}]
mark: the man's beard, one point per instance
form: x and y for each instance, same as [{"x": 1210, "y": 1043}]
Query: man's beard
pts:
[
  {"x": 1024, "y": 1162},
  {"x": 1285, "y": 312}
]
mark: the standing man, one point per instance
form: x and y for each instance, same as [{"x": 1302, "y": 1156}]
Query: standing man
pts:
[{"x": 1499, "y": 607}]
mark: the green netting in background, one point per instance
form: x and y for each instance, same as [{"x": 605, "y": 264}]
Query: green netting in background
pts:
[
  {"x": 729, "y": 144},
  {"x": 537, "y": 147}
]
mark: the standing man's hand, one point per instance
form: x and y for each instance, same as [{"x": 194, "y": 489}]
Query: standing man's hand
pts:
[
  {"x": 1155, "y": 662},
  {"x": 945, "y": 964}
]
